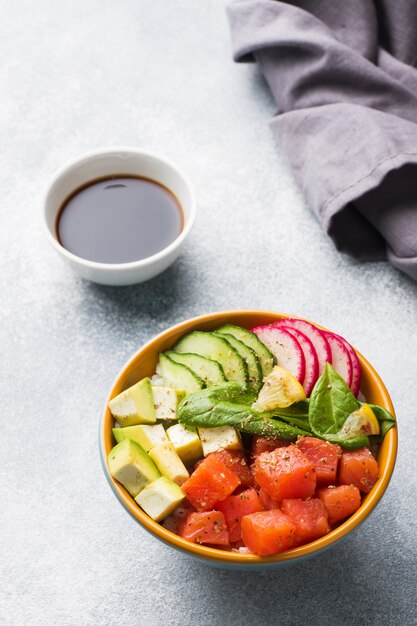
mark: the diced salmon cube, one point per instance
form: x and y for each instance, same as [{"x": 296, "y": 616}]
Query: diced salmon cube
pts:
[
  {"x": 207, "y": 527},
  {"x": 324, "y": 455},
  {"x": 268, "y": 532},
  {"x": 340, "y": 501},
  {"x": 359, "y": 468},
  {"x": 237, "y": 506},
  {"x": 285, "y": 473},
  {"x": 211, "y": 482},
  {"x": 309, "y": 516}
]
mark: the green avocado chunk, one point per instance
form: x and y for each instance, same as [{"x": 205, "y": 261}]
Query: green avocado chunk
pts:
[
  {"x": 160, "y": 498},
  {"x": 147, "y": 436},
  {"x": 132, "y": 466},
  {"x": 134, "y": 405}
]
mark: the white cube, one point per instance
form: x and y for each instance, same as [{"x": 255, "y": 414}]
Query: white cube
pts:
[
  {"x": 186, "y": 442},
  {"x": 219, "y": 438}
]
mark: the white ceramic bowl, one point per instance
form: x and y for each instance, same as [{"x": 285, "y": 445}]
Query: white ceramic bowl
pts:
[{"x": 110, "y": 162}]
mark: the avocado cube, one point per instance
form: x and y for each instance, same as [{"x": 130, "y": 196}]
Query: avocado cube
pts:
[
  {"x": 134, "y": 405},
  {"x": 160, "y": 498},
  {"x": 186, "y": 442},
  {"x": 219, "y": 438},
  {"x": 169, "y": 463},
  {"x": 132, "y": 466},
  {"x": 146, "y": 436},
  {"x": 166, "y": 401}
]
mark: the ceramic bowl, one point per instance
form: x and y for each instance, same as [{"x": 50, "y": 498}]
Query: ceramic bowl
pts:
[
  {"x": 143, "y": 364},
  {"x": 109, "y": 162}
]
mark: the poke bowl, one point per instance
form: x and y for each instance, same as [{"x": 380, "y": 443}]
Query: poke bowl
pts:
[{"x": 165, "y": 482}]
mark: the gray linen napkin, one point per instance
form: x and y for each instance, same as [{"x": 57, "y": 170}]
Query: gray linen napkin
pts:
[{"x": 343, "y": 74}]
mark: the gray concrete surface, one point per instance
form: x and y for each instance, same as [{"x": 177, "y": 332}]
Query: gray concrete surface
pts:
[{"x": 79, "y": 75}]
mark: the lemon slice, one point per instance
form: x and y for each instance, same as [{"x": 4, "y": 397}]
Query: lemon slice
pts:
[
  {"x": 280, "y": 389},
  {"x": 360, "y": 422}
]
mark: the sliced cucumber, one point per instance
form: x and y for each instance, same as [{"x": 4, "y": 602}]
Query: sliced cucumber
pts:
[
  {"x": 249, "y": 355},
  {"x": 266, "y": 358},
  {"x": 218, "y": 349},
  {"x": 179, "y": 376},
  {"x": 210, "y": 371}
]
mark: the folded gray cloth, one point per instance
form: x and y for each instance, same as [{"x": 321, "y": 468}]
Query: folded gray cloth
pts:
[{"x": 343, "y": 74}]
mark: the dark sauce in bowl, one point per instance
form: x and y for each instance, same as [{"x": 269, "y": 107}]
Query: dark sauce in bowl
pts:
[{"x": 119, "y": 219}]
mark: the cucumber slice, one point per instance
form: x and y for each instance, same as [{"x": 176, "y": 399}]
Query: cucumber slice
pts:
[
  {"x": 210, "y": 371},
  {"x": 218, "y": 349},
  {"x": 249, "y": 355},
  {"x": 179, "y": 376},
  {"x": 266, "y": 358}
]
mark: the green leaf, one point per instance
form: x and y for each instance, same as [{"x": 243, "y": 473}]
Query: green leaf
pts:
[
  {"x": 385, "y": 427},
  {"x": 354, "y": 443},
  {"x": 203, "y": 401},
  {"x": 296, "y": 414},
  {"x": 297, "y": 422},
  {"x": 385, "y": 419},
  {"x": 247, "y": 420},
  {"x": 331, "y": 402},
  {"x": 298, "y": 409},
  {"x": 227, "y": 405},
  {"x": 382, "y": 414}
]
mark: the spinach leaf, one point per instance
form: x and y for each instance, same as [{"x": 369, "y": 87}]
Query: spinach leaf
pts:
[
  {"x": 331, "y": 402},
  {"x": 298, "y": 409},
  {"x": 223, "y": 405},
  {"x": 385, "y": 419},
  {"x": 354, "y": 443},
  {"x": 202, "y": 402},
  {"x": 247, "y": 420},
  {"x": 322, "y": 416},
  {"x": 300, "y": 422}
]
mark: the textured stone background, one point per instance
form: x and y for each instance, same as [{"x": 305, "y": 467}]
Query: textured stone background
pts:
[{"x": 78, "y": 75}]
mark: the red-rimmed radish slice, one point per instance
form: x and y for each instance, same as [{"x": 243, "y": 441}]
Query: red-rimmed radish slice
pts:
[
  {"x": 340, "y": 358},
  {"x": 310, "y": 356},
  {"x": 285, "y": 348},
  {"x": 316, "y": 336},
  {"x": 356, "y": 367}
]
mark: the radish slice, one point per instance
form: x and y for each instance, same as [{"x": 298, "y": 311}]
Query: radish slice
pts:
[
  {"x": 316, "y": 336},
  {"x": 285, "y": 349},
  {"x": 310, "y": 356},
  {"x": 340, "y": 358},
  {"x": 356, "y": 367}
]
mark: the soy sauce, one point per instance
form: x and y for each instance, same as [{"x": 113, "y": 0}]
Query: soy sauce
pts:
[{"x": 119, "y": 219}]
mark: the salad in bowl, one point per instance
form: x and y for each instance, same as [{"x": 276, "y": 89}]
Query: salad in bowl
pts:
[{"x": 249, "y": 437}]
